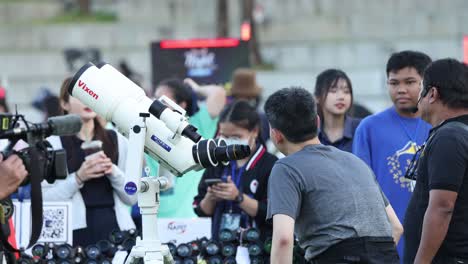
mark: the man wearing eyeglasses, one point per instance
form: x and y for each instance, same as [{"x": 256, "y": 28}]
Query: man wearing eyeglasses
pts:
[{"x": 436, "y": 221}]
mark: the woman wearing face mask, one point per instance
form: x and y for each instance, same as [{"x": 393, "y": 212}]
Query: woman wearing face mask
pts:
[
  {"x": 240, "y": 199},
  {"x": 334, "y": 95},
  {"x": 95, "y": 185}
]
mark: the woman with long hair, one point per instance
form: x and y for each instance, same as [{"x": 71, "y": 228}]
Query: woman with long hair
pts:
[
  {"x": 334, "y": 95},
  {"x": 95, "y": 183}
]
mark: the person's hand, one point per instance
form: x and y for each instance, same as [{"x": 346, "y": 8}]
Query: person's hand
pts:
[
  {"x": 95, "y": 167},
  {"x": 226, "y": 191},
  {"x": 211, "y": 196},
  {"x": 192, "y": 84},
  {"x": 12, "y": 173}
]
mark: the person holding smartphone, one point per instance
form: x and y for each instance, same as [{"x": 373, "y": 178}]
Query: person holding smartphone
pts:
[
  {"x": 235, "y": 196},
  {"x": 96, "y": 179}
]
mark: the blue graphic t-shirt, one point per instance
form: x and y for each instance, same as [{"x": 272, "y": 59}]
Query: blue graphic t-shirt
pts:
[{"x": 387, "y": 142}]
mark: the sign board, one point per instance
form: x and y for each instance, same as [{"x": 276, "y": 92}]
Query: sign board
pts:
[
  {"x": 182, "y": 230},
  {"x": 56, "y": 226},
  {"x": 206, "y": 61}
]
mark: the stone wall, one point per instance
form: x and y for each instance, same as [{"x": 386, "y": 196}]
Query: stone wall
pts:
[{"x": 299, "y": 37}]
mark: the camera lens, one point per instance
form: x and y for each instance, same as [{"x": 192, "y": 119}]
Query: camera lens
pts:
[
  {"x": 128, "y": 244},
  {"x": 254, "y": 250},
  {"x": 203, "y": 241},
  {"x": 63, "y": 251},
  {"x": 91, "y": 261},
  {"x": 78, "y": 259},
  {"x": 117, "y": 237},
  {"x": 39, "y": 251},
  {"x": 64, "y": 261},
  {"x": 104, "y": 246},
  {"x": 51, "y": 261},
  {"x": 189, "y": 261},
  {"x": 172, "y": 248},
  {"x": 229, "y": 260},
  {"x": 92, "y": 252},
  {"x": 228, "y": 250},
  {"x": 212, "y": 248},
  {"x": 226, "y": 235},
  {"x": 256, "y": 260},
  {"x": 25, "y": 260},
  {"x": 177, "y": 260},
  {"x": 106, "y": 261},
  {"x": 252, "y": 234},
  {"x": 195, "y": 248},
  {"x": 214, "y": 260},
  {"x": 184, "y": 250}
]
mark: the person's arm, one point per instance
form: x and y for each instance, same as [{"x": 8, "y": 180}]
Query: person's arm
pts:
[
  {"x": 397, "y": 227},
  {"x": 117, "y": 173},
  {"x": 284, "y": 202},
  {"x": 229, "y": 192},
  {"x": 283, "y": 239},
  {"x": 361, "y": 143},
  {"x": 249, "y": 205},
  {"x": 208, "y": 203},
  {"x": 436, "y": 221},
  {"x": 204, "y": 203},
  {"x": 215, "y": 96},
  {"x": 117, "y": 180}
]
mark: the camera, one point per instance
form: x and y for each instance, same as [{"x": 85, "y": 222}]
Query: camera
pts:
[
  {"x": 41, "y": 161},
  {"x": 53, "y": 162}
]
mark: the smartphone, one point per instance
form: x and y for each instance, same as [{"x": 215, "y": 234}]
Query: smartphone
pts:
[{"x": 210, "y": 182}]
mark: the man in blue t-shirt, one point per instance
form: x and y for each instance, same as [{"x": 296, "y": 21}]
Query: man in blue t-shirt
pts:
[{"x": 387, "y": 141}]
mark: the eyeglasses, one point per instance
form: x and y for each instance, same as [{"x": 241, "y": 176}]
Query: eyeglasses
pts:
[{"x": 412, "y": 171}]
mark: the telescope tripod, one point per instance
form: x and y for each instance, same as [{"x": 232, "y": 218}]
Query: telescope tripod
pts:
[{"x": 149, "y": 247}]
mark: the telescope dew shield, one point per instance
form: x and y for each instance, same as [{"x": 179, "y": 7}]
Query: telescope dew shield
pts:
[{"x": 89, "y": 86}]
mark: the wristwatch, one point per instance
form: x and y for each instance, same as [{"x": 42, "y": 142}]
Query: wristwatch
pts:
[{"x": 239, "y": 198}]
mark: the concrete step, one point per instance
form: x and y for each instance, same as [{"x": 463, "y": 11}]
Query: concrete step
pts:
[{"x": 26, "y": 11}]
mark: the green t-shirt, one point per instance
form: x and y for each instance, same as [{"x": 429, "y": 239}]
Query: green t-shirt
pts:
[{"x": 177, "y": 202}]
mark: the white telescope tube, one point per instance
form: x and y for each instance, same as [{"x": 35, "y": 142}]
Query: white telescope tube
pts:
[{"x": 118, "y": 101}]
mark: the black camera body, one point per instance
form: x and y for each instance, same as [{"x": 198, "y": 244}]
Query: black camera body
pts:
[{"x": 53, "y": 162}]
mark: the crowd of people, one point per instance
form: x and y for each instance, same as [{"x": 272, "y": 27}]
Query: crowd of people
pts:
[{"x": 389, "y": 188}]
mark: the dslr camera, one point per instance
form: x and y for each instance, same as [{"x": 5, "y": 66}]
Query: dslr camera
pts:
[{"x": 54, "y": 162}]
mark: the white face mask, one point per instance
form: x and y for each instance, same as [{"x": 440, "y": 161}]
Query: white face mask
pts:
[{"x": 236, "y": 140}]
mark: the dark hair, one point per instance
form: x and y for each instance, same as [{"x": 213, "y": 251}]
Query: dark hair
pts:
[
  {"x": 325, "y": 81},
  {"x": 100, "y": 132},
  {"x": 242, "y": 114},
  {"x": 408, "y": 58},
  {"x": 293, "y": 112},
  {"x": 51, "y": 106},
  {"x": 450, "y": 77},
  {"x": 182, "y": 93}
]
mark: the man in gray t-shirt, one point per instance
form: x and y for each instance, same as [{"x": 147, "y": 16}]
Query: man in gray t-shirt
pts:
[{"x": 327, "y": 197}]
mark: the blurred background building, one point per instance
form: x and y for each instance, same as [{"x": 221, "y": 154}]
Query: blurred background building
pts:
[{"x": 41, "y": 40}]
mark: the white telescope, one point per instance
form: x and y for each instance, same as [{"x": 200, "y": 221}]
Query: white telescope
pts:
[{"x": 170, "y": 138}]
